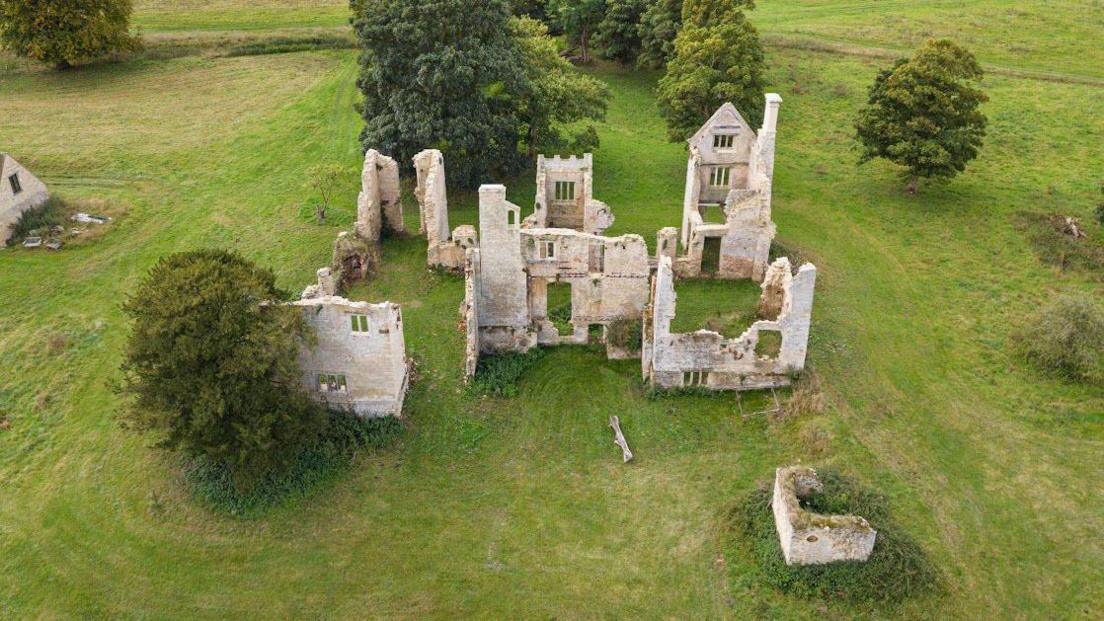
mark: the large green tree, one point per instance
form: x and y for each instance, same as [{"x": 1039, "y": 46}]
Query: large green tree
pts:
[
  {"x": 64, "y": 33},
  {"x": 618, "y": 34},
  {"x": 659, "y": 25},
  {"x": 211, "y": 364},
  {"x": 559, "y": 95},
  {"x": 444, "y": 74},
  {"x": 924, "y": 113},
  {"x": 718, "y": 58},
  {"x": 579, "y": 19}
]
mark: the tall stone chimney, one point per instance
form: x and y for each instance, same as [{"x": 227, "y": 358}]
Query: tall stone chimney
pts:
[{"x": 770, "y": 116}]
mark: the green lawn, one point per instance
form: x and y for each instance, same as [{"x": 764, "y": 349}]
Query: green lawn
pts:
[{"x": 508, "y": 508}]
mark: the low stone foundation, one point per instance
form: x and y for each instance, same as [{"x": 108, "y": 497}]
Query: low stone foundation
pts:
[{"x": 811, "y": 538}]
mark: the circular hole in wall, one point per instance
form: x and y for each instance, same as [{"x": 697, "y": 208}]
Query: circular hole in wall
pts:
[{"x": 811, "y": 539}]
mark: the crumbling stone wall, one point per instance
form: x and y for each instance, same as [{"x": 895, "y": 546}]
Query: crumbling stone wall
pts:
[
  {"x": 565, "y": 196},
  {"x": 379, "y": 206},
  {"x": 444, "y": 250},
  {"x": 730, "y": 167},
  {"x": 17, "y": 195},
  {"x": 359, "y": 358},
  {"x": 809, "y": 538},
  {"x": 508, "y": 278},
  {"x": 709, "y": 360}
]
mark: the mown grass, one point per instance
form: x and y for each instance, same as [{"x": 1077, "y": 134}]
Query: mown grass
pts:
[{"x": 520, "y": 507}]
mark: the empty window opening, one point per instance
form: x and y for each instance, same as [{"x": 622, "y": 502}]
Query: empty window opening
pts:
[
  {"x": 693, "y": 379},
  {"x": 332, "y": 382},
  {"x": 547, "y": 249},
  {"x": 359, "y": 323},
  {"x": 769, "y": 344},
  {"x": 511, "y": 217},
  {"x": 559, "y": 307},
  {"x": 719, "y": 177},
  {"x": 711, "y": 256},
  {"x": 565, "y": 190},
  {"x": 597, "y": 258},
  {"x": 15, "y": 185},
  {"x": 724, "y": 141}
]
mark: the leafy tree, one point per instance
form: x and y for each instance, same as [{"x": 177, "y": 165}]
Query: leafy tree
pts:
[
  {"x": 714, "y": 62},
  {"x": 923, "y": 113},
  {"x": 618, "y": 33},
  {"x": 443, "y": 74},
  {"x": 531, "y": 8},
  {"x": 64, "y": 33},
  {"x": 579, "y": 19},
  {"x": 212, "y": 369},
  {"x": 325, "y": 179},
  {"x": 559, "y": 95},
  {"x": 659, "y": 25}
]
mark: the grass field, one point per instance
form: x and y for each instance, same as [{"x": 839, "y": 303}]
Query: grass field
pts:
[{"x": 508, "y": 508}]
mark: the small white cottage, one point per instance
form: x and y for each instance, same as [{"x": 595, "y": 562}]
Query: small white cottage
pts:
[{"x": 19, "y": 191}]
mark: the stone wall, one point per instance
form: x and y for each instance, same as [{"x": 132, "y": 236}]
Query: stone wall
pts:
[
  {"x": 709, "y": 360},
  {"x": 32, "y": 193},
  {"x": 810, "y": 538},
  {"x": 359, "y": 359},
  {"x": 581, "y": 211},
  {"x": 444, "y": 251}
]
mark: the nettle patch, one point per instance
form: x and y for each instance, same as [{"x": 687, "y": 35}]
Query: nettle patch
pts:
[{"x": 897, "y": 570}]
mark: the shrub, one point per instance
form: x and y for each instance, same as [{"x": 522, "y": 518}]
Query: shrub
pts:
[
  {"x": 897, "y": 569},
  {"x": 346, "y": 434},
  {"x": 64, "y": 33},
  {"x": 38, "y": 220},
  {"x": 498, "y": 375},
  {"x": 1055, "y": 246},
  {"x": 626, "y": 334},
  {"x": 1066, "y": 338}
]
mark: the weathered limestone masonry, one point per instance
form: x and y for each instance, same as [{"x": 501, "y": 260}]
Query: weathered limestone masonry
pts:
[
  {"x": 709, "y": 360},
  {"x": 810, "y": 538},
  {"x": 445, "y": 251},
  {"x": 728, "y": 196},
  {"x": 565, "y": 196},
  {"x": 379, "y": 208},
  {"x": 359, "y": 360},
  {"x": 19, "y": 191},
  {"x": 508, "y": 277}
]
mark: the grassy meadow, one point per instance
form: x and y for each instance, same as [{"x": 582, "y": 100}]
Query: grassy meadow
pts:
[{"x": 520, "y": 508}]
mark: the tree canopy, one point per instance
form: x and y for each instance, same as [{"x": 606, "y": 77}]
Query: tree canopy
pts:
[
  {"x": 718, "y": 58},
  {"x": 211, "y": 365},
  {"x": 579, "y": 19},
  {"x": 924, "y": 113},
  {"x": 659, "y": 25},
  {"x": 64, "y": 33},
  {"x": 618, "y": 34}
]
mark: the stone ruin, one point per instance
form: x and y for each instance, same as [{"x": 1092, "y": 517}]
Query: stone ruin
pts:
[
  {"x": 809, "y": 538},
  {"x": 379, "y": 210},
  {"x": 706, "y": 359},
  {"x": 445, "y": 251},
  {"x": 358, "y": 360},
  {"x": 19, "y": 191},
  {"x": 506, "y": 295},
  {"x": 565, "y": 196},
  {"x": 726, "y": 215}
]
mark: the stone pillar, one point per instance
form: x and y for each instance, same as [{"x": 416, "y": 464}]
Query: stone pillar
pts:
[
  {"x": 327, "y": 285},
  {"x": 667, "y": 242}
]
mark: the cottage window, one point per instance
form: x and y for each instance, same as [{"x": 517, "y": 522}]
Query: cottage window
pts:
[
  {"x": 15, "y": 185},
  {"x": 511, "y": 218},
  {"x": 719, "y": 177},
  {"x": 724, "y": 141},
  {"x": 565, "y": 190},
  {"x": 332, "y": 382},
  {"x": 548, "y": 249},
  {"x": 359, "y": 323}
]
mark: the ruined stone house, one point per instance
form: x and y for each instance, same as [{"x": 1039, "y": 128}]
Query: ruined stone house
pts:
[
  {"x": 726, "y": 221},
  {"x": 379, "y": 210},
  {"x": 709, "y": 360},
  {"x": 509, "y": 274},
  {"x": 19, "y": 191},
  {"x": 565, "y": 196},
  {"x": 358, "y": 361},
  {"x": 446, "y": 250},
  {"x": 809, "y": 538}
]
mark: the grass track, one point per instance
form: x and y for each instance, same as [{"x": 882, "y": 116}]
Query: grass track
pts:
[{"x": 508, "y": 508}]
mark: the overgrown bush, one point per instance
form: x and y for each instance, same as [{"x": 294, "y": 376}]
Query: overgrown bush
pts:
[
  {"x": 498, "y": 375},
  {"x": 38, "y": 220},
  {"x": 1066, "y": 338},
  {"x": 626, "y": 334},
  {"x": 345, "y": 435},
  {"x": 898, "y": 568},
  {"x": 1055, "y": 246}
]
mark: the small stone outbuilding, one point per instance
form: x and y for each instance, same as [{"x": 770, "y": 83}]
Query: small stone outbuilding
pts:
[
  {"x": 19, "y": 191},
  {"x": 809, "y": 538}
]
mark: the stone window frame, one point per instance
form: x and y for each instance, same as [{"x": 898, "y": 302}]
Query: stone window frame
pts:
[
  {"x": 16, "y": 186},
  {"x": 360, "y": 323},
  {"x": 546, "y": 249},
  {"x": 332, "y": 383},
  {"x": 725, "y": 141},
  {"x": 695, "y": 378},
  {"x": 563, "y": 191},
  {"x": 720, "y": 176}
]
